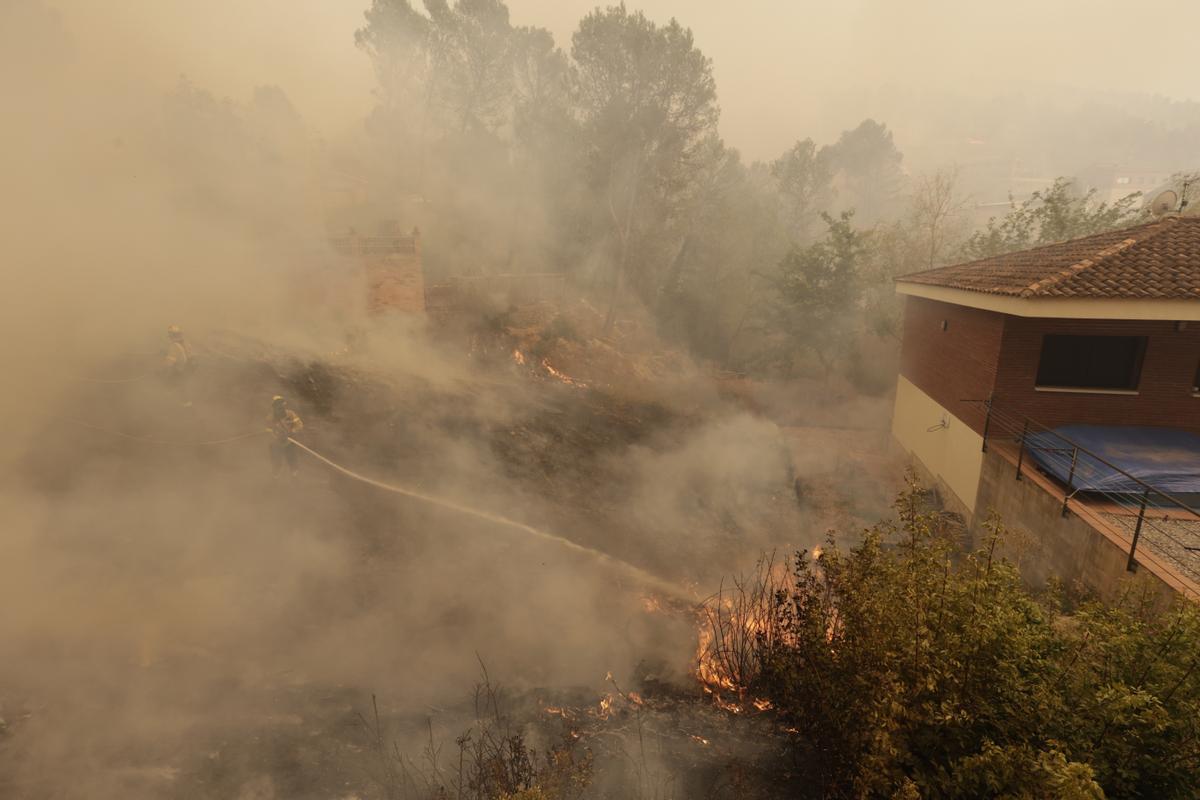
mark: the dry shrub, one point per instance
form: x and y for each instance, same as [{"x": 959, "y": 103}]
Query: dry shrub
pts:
[{"x": 494, "y": 761}]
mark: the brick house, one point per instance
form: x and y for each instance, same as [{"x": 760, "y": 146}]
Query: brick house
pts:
[
  {"x": 1099, "y": 334},
  {"x": 1103, "y": 330}
]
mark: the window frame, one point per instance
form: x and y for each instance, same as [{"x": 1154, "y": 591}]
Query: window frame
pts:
[{"x": 1131, "y": 387}]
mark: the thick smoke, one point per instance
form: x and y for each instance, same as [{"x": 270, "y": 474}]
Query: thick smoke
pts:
[
  {"x": 172, "y": 607},
  {"x": 164, "y": 598}
]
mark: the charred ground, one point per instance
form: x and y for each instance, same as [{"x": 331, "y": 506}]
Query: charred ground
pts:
[{"x": 249, "y": 621}]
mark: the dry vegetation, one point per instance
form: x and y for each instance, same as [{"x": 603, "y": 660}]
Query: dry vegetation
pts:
[
  {"x": 379, "y": 590},
  {"x": 704, "y": 378}
]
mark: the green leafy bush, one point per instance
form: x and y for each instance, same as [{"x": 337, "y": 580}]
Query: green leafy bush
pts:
[{"x": 903, "y": 669}]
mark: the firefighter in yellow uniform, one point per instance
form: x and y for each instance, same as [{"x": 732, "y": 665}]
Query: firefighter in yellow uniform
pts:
[
  {"x": 283, "y": 423},
  {"x": 178, "y": 364}
]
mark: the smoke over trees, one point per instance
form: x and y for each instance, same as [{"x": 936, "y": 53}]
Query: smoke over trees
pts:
[
  {"x": 605, "y": 161},
  {"x": 187, "y": 624},
  {"x": 647, "y": 101}
]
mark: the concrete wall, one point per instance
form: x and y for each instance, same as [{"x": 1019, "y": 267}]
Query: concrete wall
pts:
[
  {"x": 1164, "y": 396},
  {"x": 1045, "y": 544},
  {"x": 951, "y": 455}
]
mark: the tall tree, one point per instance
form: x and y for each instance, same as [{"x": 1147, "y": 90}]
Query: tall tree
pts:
[
  {"x": 868, "y": 169},
  {"x": 397, "y": 39},
  {"x": 546, "y": 198},
  {"x": 452, "y": 63},
  {"x": 936, "y": 214},
  {"x": 715, "y": 284},
  {"x": 472, "y": 51},
  {"x": 803, "y": 175},
  {"x": 647, "y": 101},
  {"x": 817, "y": 292},
  {"x": 474, "y": 123}
]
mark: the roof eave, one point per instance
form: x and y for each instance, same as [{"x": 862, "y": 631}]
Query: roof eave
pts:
[{"x": 1058, "y": 307}]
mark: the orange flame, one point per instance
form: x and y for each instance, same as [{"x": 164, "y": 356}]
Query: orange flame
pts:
[
  {"x": 716, "y": 674},
  {"x": 559, "y": 711},
  {"x": 651, "y": 604},
  {"x": 709, "y": 670},
  {"x": 604, "y": 709},
  {"x": 567, "y": 379}
]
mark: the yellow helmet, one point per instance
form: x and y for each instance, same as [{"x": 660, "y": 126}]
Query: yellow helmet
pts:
[
  {"x": 277, "y": 400},
  {"x": 174, "y": 332}
]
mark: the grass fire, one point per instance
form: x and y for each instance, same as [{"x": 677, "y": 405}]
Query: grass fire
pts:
[{"x": 516, "y": 400}]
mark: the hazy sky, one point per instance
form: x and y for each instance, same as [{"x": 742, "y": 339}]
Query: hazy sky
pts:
[{"x": 778, "y": 62}]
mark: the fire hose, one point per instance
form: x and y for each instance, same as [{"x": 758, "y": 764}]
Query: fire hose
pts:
[
  {"x": 636, "y": 572},
  {"x": 641, "y": 575}
]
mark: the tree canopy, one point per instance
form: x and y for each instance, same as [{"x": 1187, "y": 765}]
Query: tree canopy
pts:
[{"x": 1050, "y": 215}]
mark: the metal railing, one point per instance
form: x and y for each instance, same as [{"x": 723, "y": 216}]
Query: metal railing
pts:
[{"x": 1068, "y": 456}]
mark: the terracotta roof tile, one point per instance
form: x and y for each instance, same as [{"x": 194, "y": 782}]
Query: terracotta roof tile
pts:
[{"x": 1159, "y": 259}]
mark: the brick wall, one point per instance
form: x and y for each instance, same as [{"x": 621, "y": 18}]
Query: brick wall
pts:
[
  {"x": 954, "y": 364},
  {"x": 466, "y": 293},
  {"x": 395, "y": 283},
  {"x": 1164, "y": 394},
  {"x": 392, "y": 269}
]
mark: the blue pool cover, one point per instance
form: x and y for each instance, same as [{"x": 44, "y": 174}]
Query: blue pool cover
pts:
[{"x": 1167, "y": 459}]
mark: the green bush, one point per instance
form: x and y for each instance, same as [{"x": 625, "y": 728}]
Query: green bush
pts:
[{"x": 903, "y": 669}]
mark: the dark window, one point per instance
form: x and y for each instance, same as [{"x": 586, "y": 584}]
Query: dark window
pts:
[{"x": 1091, "y": 362}]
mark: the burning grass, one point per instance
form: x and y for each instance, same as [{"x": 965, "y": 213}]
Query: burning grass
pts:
[
  {"x": 739, "y": 625},
  {"x": 563, "y": 449}
]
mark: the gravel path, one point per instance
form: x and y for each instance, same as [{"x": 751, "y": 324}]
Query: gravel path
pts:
[{"x": 1169, "y": 538}]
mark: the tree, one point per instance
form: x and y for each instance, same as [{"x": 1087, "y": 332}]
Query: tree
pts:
[
  {"x": 867, "y": 165},
  {"x": 647, "y": 102},
  {"x": 1050, "y": 215},
  {"x": 474, "y": 121},
  {"x": 472, "y": 51},
  {"x": 936, "y": 214},
  {"x": 803, "y": 176},
  {"x": 714, "y": 285},
  {"x": 817, "y": 291},
  {"x": 453, "y": 64},
  {"x": 397, "y": 39},
  {"x": 927, "y": 235}
]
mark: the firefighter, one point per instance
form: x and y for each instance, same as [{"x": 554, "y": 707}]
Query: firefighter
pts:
[
  {"x": 178, "y": 364},
  {"x": 283, "y": 423}
]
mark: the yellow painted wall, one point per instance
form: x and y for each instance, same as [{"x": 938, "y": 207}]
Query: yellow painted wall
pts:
[{"x": 953, "y": 454}]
